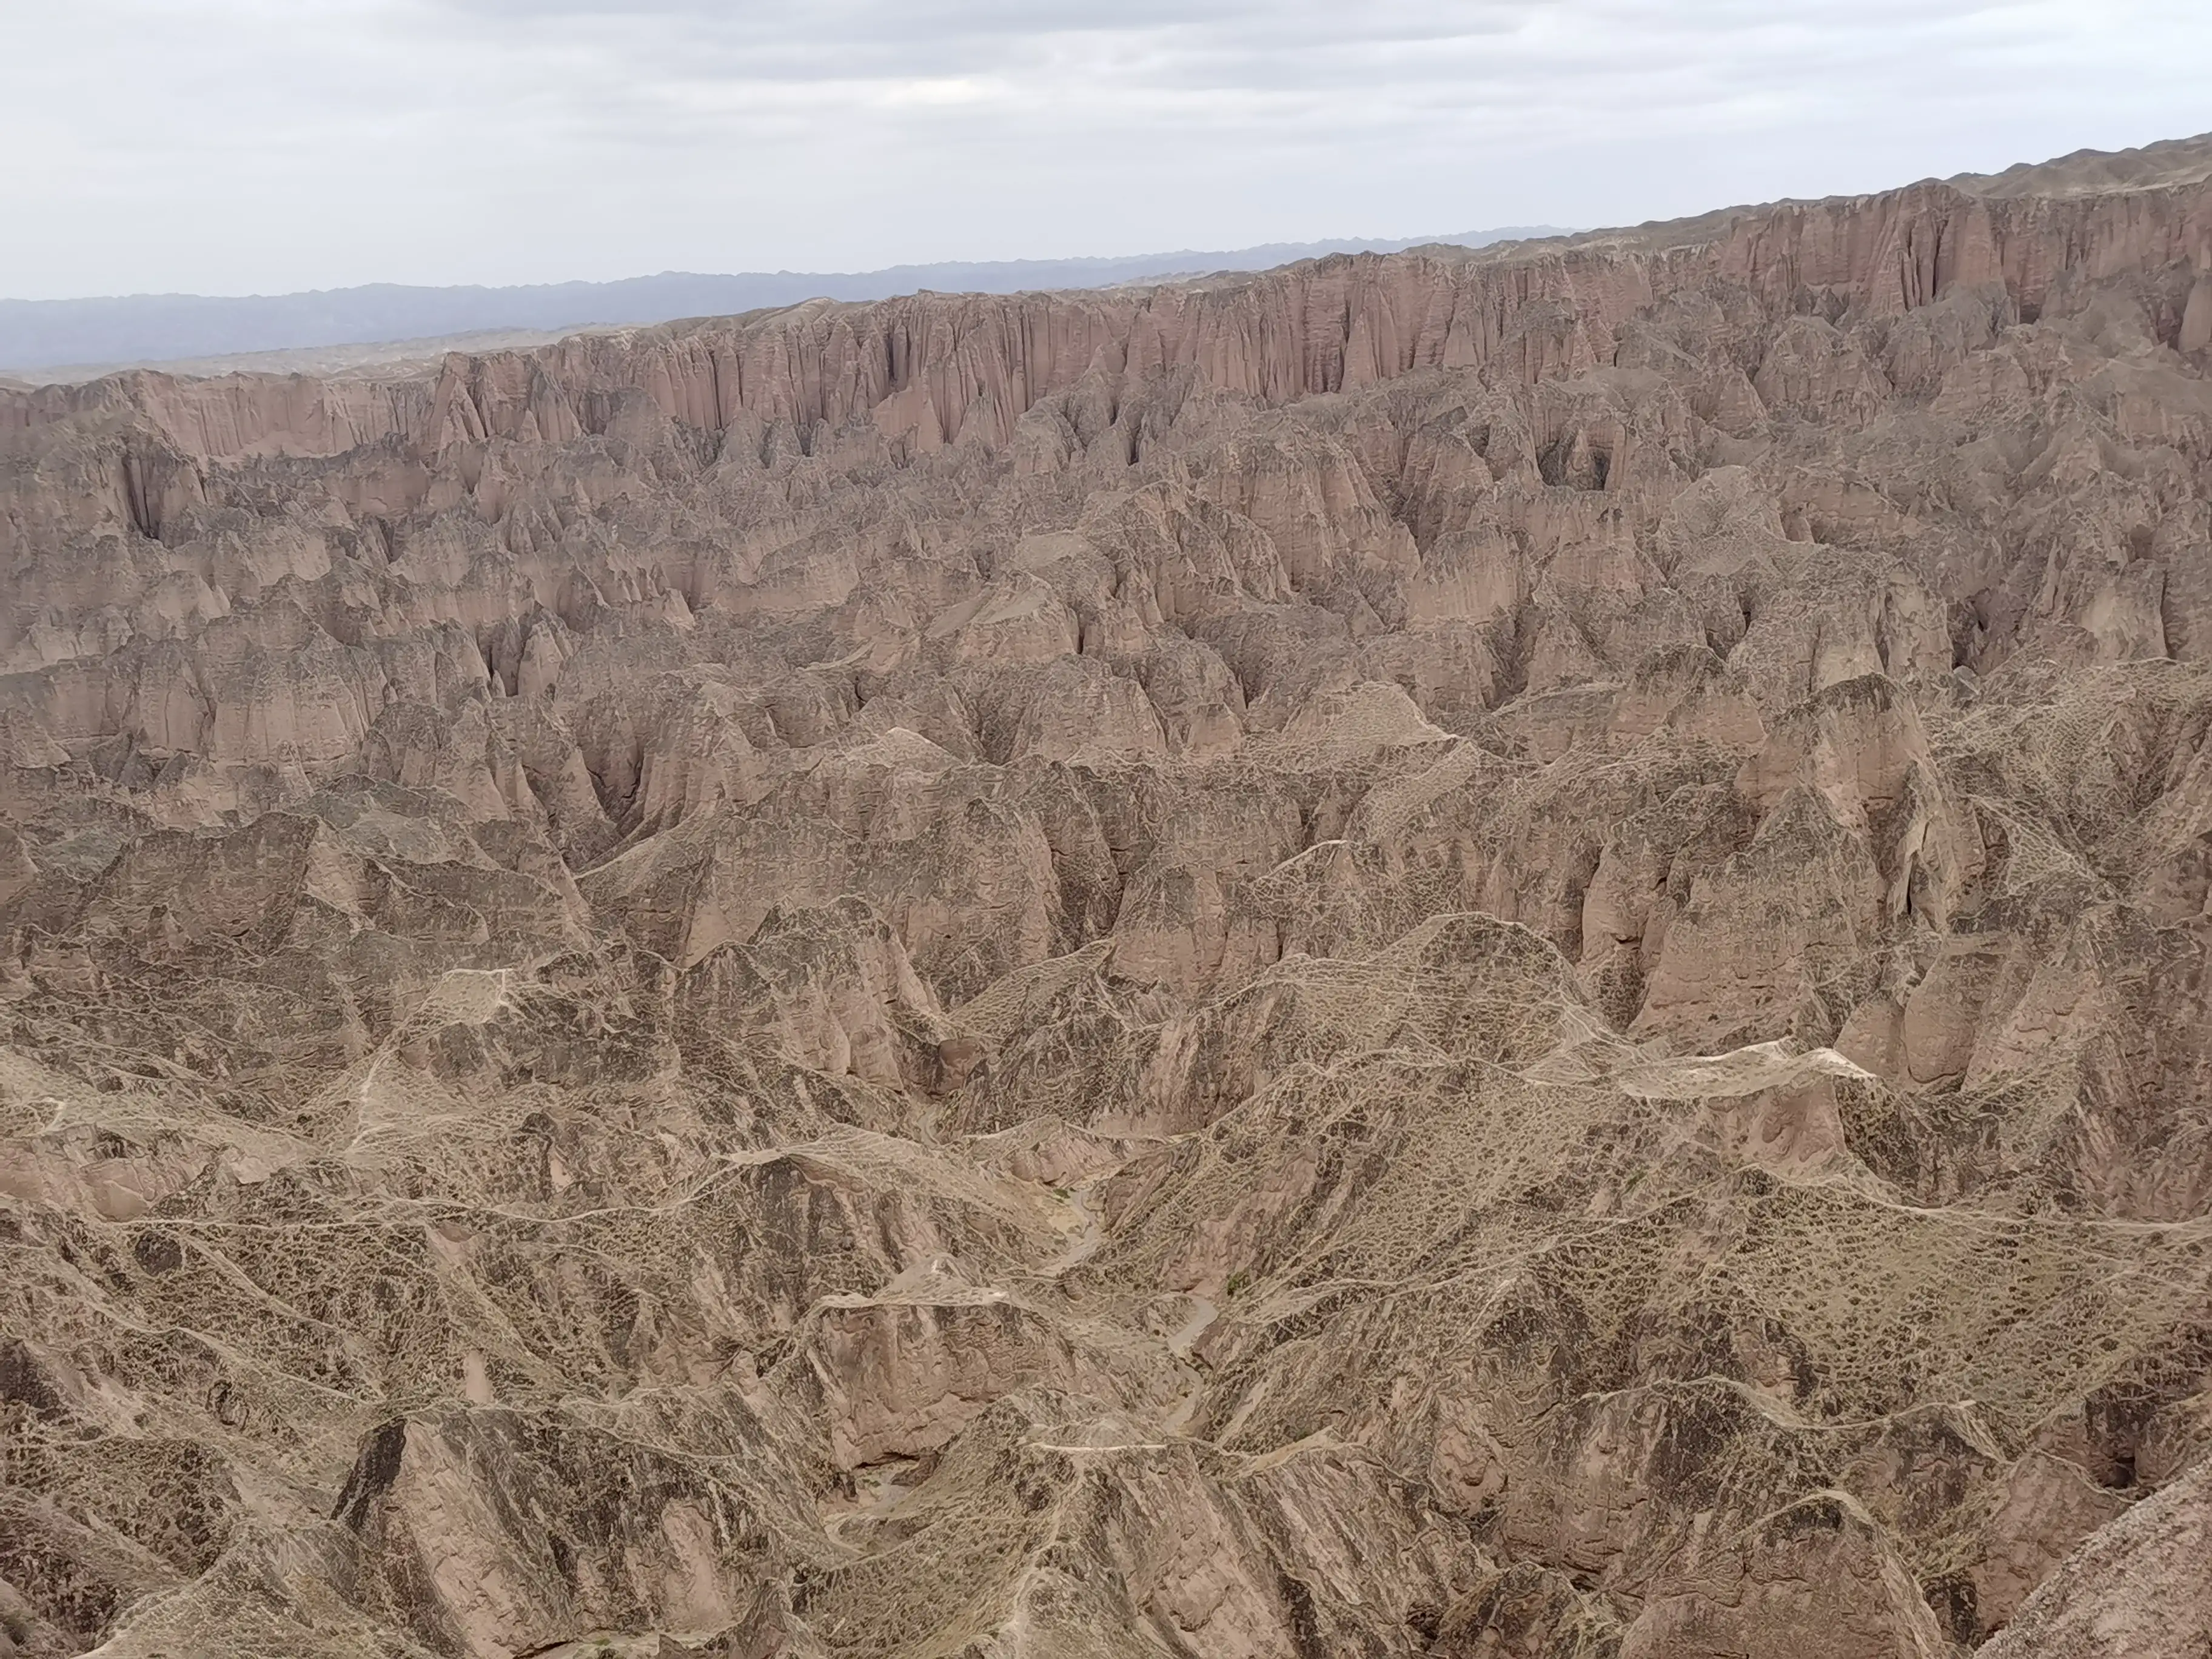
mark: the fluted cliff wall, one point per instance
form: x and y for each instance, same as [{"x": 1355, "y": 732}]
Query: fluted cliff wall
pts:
[
  {"x": 923, "y": 367},
  {"x": 1421, "y": 955}
]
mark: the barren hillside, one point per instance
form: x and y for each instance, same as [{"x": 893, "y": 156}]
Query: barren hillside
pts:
[{"x": 1452, "y": 953}]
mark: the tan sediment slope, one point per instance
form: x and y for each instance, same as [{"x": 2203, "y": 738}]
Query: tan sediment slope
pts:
[
  {"x": 1446, "y": 953},
  {"x": 382, "y": 359}
]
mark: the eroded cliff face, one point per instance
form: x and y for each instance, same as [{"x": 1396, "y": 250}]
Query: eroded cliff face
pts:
[{"x": 1439, "y": 954}]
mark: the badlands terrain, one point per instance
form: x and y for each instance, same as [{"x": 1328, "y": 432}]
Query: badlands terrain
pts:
[{"x": 1465, "y": 953}]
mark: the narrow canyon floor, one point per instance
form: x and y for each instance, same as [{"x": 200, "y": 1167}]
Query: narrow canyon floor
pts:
[{"x": 1457, "y": 953}]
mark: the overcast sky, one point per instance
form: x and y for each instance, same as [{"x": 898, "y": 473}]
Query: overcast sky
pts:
[{"x": 242, "y": 146}]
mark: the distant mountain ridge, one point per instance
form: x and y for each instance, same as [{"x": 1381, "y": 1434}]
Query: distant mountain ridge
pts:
[{"x": 147, "y": 328}]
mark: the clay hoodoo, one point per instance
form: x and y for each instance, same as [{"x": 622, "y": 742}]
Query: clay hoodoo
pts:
[{"x": 1449, "y": 953}]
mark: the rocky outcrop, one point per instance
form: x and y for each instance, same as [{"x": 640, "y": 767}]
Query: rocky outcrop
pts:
[{"x": 1458, "y": 952}]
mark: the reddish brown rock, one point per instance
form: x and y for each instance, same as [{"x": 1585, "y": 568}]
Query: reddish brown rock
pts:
[{"x": 1452, "y": 953}]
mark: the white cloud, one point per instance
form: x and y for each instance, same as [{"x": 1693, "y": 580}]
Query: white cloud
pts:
[{"x": 239, "y": 145}]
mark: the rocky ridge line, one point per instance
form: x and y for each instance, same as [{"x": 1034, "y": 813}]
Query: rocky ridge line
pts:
[{"x": 1424, "y": 954}]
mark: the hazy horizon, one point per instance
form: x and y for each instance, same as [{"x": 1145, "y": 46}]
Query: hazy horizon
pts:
[
  {"x": 239, "y": 147},
  {"x": 113, "y": 331},
  {"x": 1292, "y": 250}
]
